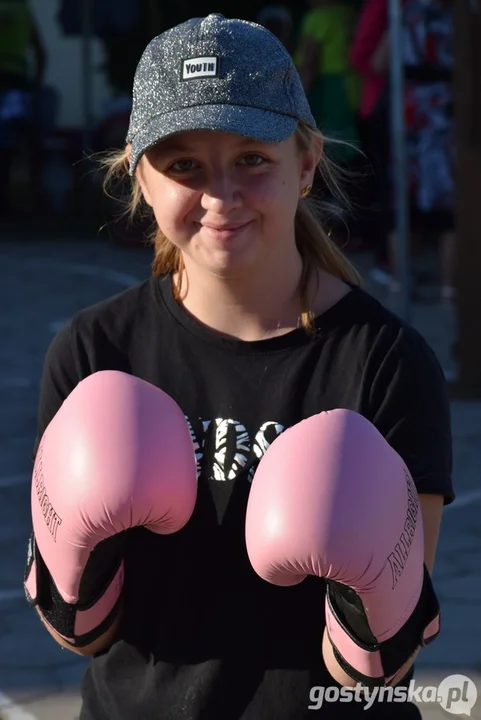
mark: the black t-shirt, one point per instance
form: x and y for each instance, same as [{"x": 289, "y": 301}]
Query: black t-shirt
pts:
[{"x": 202, "y": 636}]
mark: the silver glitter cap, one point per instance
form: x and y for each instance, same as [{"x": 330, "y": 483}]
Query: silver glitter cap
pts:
[{"x": 216, "y": 74}]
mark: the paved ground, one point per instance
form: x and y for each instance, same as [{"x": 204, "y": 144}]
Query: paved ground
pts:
[{"x": 44, "y": 284}]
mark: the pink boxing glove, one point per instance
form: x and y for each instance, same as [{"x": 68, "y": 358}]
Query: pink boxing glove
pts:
[
  {"x": 331, "y": 498},
  {"x": 117, "y": 454}
]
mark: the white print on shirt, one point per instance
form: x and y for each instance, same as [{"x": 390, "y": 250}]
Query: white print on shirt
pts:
[{"x": 223, "y": 447}]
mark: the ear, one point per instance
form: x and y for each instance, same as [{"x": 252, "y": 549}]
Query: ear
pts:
[{"x": 309, "y": 161}]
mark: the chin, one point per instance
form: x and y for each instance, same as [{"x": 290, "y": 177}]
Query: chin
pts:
[
  {"x": 230, "y": 271},
  {"x": 227, "y": 265}
]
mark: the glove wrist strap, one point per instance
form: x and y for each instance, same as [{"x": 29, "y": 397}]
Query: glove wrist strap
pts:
[
  {"x": 366, "y": 660},
  {"x": 81, "y": 623}
]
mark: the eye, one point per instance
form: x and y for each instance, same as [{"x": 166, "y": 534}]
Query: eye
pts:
[
  {"x": 253, "y": 160},
  {"x": 184, "y": 165}
]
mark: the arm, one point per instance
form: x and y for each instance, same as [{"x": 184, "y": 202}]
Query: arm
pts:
[
  {"x": 408, "y": 403},
  {"x": 61, "y": 374},
  {"x": 101, "y": 644},
  {"x": 431, "y": 509}
]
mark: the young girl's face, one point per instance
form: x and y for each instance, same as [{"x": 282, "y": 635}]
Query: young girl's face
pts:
[{"x": 227, "y": 202}]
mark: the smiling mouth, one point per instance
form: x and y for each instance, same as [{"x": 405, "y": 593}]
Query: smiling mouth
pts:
[{"x": 225, "y": 228}]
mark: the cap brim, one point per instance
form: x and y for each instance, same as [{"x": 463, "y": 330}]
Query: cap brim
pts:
[{"x": 261, "y": 125}]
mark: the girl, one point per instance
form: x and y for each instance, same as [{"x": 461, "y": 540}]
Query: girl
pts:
[{"x": 252, "y": 320}]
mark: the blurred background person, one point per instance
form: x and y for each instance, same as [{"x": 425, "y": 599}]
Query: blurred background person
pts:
[
  {"x": 427, "y": 60},
  {"x": 428, "y": 57},
  {"x": 20, "y": 84},
  {"x": 333, "y": 91},
  {"x": 278, "y": 19},
  {"x": 369, "y": 54},
  {"x": 331, "y": 85}
]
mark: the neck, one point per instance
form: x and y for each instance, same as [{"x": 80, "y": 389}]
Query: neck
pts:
[{"x": 254, "y": 306}]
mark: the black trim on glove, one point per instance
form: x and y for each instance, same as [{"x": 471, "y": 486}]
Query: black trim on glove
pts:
[
  {"x": 346, "y": 606},
  {"x": 103, "y": 563}
]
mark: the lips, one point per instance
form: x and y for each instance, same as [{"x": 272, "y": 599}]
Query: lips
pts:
[
  {"x": 224, "y": 234},
  {"x": 224, "y": 228}
]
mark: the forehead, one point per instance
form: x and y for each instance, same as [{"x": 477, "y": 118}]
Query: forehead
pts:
[{"x": 201, "y": 139}]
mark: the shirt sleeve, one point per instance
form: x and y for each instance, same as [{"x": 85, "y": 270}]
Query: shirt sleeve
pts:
[
  {"x": 60, "y": 376},
  {"x": 410, "y": 407}
]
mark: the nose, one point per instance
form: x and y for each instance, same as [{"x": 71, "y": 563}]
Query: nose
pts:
[{"x": 221, "y": 194}]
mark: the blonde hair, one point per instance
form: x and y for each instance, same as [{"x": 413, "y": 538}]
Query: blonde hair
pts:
[{"x": 317, "y": 249}]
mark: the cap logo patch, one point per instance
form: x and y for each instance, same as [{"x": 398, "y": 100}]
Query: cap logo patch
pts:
[{"x": 200, "y": 67}]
